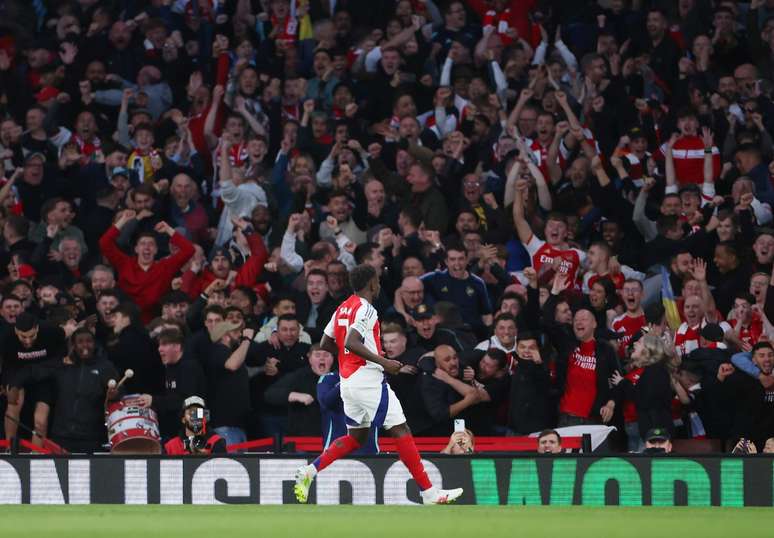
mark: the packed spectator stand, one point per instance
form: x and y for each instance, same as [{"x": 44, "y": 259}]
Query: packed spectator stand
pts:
[{"x": 568, "y": 203}]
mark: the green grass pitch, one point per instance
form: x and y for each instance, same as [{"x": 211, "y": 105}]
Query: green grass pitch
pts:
[{"x": 382, "y": 521}]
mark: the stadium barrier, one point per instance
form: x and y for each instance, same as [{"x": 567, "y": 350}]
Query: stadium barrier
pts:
[
  {"x": 523, "y": 480},
  {"x": 280, "y": 445},
  {"x": 292, "y": 444}
]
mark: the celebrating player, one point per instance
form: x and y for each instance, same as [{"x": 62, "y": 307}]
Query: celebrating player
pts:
[{"x": 353, "y": 332}]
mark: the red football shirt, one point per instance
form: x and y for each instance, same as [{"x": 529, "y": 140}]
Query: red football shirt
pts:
[
  {"x": 360, "y": 315},
  {"x": 629, "y": 326},
  {"x": 580, "y": 390},
  {"x": 542, "y": 254}
]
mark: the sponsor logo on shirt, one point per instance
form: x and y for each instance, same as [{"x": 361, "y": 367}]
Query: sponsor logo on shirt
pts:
[
  {"x": 31, "y": 355},
  {"x": 587, "y": 362}
]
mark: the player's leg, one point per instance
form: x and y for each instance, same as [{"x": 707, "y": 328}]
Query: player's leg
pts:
[
  {"x": 346, "y": 444},
  {"x": 355, "y": 438},
  {"x": 395, "y": 424},
  {"x": 13, "y": 410},
  {"x": 356, "y": 408},
  {"x": 40, "y": 418}
]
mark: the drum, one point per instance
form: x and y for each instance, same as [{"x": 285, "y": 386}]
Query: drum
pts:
[{"x": 132, "y": 429}]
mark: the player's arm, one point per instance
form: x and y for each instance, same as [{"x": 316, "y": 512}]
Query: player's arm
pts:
[
  {"x": 354, "y": 344},
  {"x": 329, "y": 344}
]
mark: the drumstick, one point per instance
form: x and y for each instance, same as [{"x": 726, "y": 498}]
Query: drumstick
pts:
[
  {"x": 112, "y": 385},
  {"x": 128, "y": 374}
]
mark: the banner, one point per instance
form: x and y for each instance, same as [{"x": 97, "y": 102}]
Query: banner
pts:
[{"x": 556, "y": 481}]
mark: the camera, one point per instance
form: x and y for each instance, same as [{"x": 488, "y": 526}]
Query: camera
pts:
[{"x": 195, "y": 443}]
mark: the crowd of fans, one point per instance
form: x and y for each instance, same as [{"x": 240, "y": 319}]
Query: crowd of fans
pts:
[{"x": 567, "y": 203}]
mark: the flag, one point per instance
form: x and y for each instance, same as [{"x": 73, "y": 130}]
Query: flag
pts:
[{"x": 668, "y": 300}]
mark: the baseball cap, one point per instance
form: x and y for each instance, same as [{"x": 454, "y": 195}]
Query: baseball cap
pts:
[
  {"x": 119, "y": 171},
  {"x": 193, "y": 400},
  {"x": 27, "y": 271},
  {"x": 712, "y": 332},
  {"x": 422, "y": 311},
  {"x": 657, "y": 434},
  {"x": 217, "y": 332},
  {"x": 636, "y": 132},
  {"x": 34, "y": 155}
]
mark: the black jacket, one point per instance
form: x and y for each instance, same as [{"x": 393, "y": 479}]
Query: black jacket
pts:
[
  {"x": 753, "y": 407},
  {"x": 303, "y": 419},
  {"x": 80, "y": 396},
  {"x": 652, "y": 396},
  {"x": 290, "y": 360},
  {"x": 438, "y": 397},
  {"x": 181, "y": 380},
  {"x": 135, "y": 349},
  {"x": 532, "y": 406},
  {"x": 229, "y": 395}
]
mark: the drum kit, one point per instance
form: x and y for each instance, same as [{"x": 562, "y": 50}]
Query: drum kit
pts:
[{"x": 131, "y": 429}]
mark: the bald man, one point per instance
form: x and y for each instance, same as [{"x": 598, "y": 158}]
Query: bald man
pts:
[
  {"x": 584, "y": 366},
  {"x": 445, "y": 395}
]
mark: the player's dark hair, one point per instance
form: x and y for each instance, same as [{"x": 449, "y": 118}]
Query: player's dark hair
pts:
[
  {"x": 112, "y": 292},
  {"x": 413, "y": 215},
  {"x": 128, "y": 309},
  {"x": 214, "y": 309},
  {"x": 729, "y": 247},
  {"x": 745, "y": 296},
  {"x": 318, "y": 272},
  {"x": 19, "y": 224},
  {"x": 546, "y": 433},
  {"x": 230, "y": 309},
  {"x": 505, "y": 316},
  {"x": 498, "y": 355},
  {"x": 527, "y": 335},
  {"x": 287, "y": 317},
  {"x": 143, "y": 235},
  {"x": 146, "y": 189},
  {"x": 283, "y": 296},
  {"x": 761, "y": 345},
  {"x": 10, "y": 297},
  {"x": 360, "y": 276},
  {"x": 666, "y": 223},
  {"x": 25, "y": 322},
  {"x": 79, "y": 331},
  {"x": 249, "y": 293},
  {"x": 634, "y": 281},
  {"x": 365, "y": 251},
  {"x": 455, "y": 246},
  {"x": 171, "y": 336}
]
